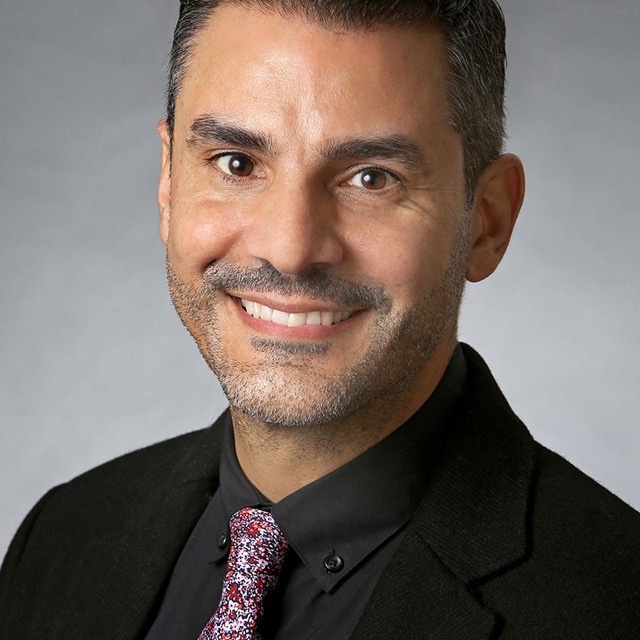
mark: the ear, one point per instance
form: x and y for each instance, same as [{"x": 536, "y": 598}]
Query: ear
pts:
[
  {"x": 164, "y": 186},
  {"x": 497, "y": 201}
]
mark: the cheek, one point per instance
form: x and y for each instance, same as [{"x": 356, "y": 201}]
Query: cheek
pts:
[
  {"x": 407, "y": 261},
  {"x": 202, "y": 226},
  {"x": 201, "y": 232}
]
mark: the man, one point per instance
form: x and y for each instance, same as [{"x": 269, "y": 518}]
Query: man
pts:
[{"x": 332, "y": 173}]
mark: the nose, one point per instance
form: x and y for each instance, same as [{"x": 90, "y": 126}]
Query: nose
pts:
[{"x": 296, "y": 228}]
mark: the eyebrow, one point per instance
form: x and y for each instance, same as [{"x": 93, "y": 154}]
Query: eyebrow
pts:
[
  {"x": 388, "y": 147},
  {"x": 207, "y": 129}
]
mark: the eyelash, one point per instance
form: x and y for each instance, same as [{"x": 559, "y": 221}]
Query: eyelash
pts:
[
  {"x": 352, "y": 174},
  {"x": 212, "y": 161},
  {"x": 227, "y": 177}
]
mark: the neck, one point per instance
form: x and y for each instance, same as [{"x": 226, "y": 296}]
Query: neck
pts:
[{"x": 279, "y": 460}]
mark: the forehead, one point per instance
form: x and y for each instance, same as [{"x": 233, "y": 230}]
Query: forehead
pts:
[{"x": 261, "y": 67}]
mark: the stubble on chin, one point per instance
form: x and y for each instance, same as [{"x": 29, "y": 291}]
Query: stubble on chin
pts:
[{"x": 288, "y": 384}]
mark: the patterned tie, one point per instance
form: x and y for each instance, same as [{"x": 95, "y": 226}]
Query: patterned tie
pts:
[{"x": 256, "y": 554}]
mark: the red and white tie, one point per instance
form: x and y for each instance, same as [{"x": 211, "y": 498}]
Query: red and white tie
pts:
[{"x": 256, "y": 555}]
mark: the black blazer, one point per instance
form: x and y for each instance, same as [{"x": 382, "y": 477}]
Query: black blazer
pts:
[{"x": 510, "y": 541}]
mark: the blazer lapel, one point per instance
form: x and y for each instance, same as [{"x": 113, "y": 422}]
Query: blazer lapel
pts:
[
  {"x": 470, "y": 525},
  {"x": 155, "y": 537},
  {"x": 152, "y": 545},
  {"x": 418, "y": 598},
  {"x": 109, "y": 578}
]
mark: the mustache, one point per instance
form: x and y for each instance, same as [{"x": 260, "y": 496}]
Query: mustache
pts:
[{"x": 313, "y": 283}]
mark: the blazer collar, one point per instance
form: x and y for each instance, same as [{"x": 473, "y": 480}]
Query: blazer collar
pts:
[
  {"x": 474, "y": 513},
  {"x": 470, "y": 525},
  {"x": 145, "y": 550}
]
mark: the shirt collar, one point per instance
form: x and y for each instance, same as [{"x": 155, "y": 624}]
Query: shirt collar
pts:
[{"x": 352, "y": 511}]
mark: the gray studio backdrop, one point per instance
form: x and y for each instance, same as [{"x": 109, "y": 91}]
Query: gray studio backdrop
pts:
[{"x": 94, "y": 362}]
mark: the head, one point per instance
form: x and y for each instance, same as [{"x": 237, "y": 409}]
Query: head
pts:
[
  {"x": 475, "y": 42},
  {"x": 315, "y": 203}
]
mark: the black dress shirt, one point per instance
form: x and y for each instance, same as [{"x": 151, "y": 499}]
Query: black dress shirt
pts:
[{"x": 342, "y": 529}]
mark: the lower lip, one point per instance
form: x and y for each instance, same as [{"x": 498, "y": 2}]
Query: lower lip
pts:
[{"x": 306, "y": 332}]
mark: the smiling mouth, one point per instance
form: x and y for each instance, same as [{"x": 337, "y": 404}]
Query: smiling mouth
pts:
[{"x": 310, "y": 318}]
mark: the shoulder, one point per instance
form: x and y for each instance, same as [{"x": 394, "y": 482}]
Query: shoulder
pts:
[
  {"x": 112, "y": 504},
  {"x": 580, "y": 575},
  {"x": 571, "y": 509},
  {"x": 130, "y": 475},
  {"x": 195, "y": 449},
  {"x": 577, "y": 565},
  {"x": 129, "y": 478}
]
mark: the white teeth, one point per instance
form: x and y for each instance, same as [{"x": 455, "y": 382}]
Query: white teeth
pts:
[
  {"x": 266, "y": 312},
  {"x": 280, "y": 317},
  {"x": 297, "y": 319},
  {"x": 276, "y": 316}
]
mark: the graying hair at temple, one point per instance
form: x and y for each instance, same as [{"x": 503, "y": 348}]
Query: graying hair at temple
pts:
[{"x": 475, "y": 36}]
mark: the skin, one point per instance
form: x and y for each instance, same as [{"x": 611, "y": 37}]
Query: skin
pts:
[{"x": 267, "y": 194}]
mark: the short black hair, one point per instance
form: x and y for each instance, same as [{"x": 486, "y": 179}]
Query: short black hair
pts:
[{"x": 475, "y": 39}]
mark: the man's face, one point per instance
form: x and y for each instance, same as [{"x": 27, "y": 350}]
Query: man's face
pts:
[{"x": 314, "y": 214}]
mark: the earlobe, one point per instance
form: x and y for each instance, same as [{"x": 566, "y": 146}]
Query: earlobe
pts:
[
  {"x": 164, "y": 186},
  {"x": 498, "y": 198}
]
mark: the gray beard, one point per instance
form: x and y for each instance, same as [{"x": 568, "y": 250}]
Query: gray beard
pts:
[{"x": 286, "y": 387}]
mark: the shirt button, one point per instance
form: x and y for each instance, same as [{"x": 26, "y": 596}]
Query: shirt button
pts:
[
  {"x": 223, "y": 541},
  {"x": 333, "y": 563}
]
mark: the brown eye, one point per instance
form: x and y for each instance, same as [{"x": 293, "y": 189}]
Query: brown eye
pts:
[
  {"x": 372, "y": 179},
  {"x": 236, "y": 164}
]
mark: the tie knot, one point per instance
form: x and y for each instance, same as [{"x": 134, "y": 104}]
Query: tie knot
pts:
[{"x": 258, "y": 546}]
